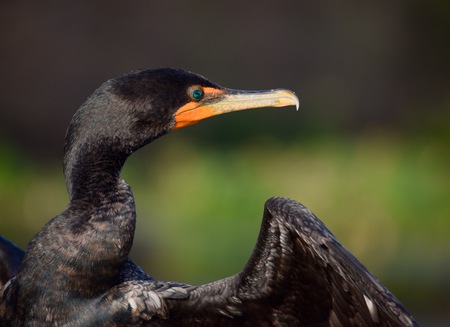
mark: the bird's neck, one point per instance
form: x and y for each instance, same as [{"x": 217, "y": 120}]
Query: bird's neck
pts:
[
  {"x": 102, "y": 209},
  {"x": 82, "y": 250},
  {"x": 80, "y": 253},
  {"x": 93, "y": 172}
]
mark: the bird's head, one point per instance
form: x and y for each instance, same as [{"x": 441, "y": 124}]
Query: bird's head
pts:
[
  {"x": 165, "y": 99},
  {"x": 132, "y": 110},
  {"x": 142, "y": 105}
]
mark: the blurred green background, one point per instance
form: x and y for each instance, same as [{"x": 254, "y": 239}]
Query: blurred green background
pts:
[{"x": 368, "y": 151}]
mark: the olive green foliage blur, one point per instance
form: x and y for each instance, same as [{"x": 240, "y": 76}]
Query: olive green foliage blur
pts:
[{"x": 385, "y": 198}]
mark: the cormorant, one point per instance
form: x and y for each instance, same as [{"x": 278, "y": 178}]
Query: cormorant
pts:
[{"x": 76, "y": 270}]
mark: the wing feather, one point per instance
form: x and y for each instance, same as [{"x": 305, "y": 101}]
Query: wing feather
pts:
[{"x": 297, "y": 275}]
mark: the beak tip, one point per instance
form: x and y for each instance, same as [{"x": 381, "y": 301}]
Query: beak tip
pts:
[{"x": 295, "y": 100}]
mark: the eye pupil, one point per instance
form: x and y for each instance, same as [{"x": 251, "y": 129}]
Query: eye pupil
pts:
[{"x": 197, "y": 94}]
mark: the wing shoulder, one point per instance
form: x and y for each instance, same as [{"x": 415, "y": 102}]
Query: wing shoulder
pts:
[
  {"x": 297, "y": 275},
  {"x": 357, "y": 295}
]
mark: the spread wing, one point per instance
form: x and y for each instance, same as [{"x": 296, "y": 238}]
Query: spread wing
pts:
[{"x": 298, "y": 275}]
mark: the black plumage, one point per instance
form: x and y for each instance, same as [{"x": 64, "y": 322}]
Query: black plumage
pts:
[{"x": 76, "y": 270}]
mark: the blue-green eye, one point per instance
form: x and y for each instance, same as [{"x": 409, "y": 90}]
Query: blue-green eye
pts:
[{"x": 197, "y": 94}]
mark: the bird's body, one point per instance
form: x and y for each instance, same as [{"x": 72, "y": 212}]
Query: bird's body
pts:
[{"x": 76, "y": 270}]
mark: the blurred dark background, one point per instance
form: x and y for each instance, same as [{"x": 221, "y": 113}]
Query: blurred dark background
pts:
[{"x": 368, "y": 151}]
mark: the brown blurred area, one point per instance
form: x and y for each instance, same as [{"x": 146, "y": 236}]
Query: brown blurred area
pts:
[{"x": 356, "y": 66}]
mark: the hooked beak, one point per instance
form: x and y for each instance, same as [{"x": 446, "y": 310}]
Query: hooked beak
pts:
[{"x": 219, "y": 101}]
